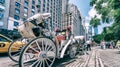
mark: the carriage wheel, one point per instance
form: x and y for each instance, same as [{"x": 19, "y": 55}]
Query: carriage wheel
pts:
[
  {"x": 72, "y": 51},
  {"x": 40, "y": 52},
  {"x": 15, "y": 48}
]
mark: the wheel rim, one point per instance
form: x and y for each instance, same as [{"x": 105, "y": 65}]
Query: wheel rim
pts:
[
  {"x": 14, "y": 49},
  {"x": 40, "y": 52},
  {"x": 72, "y": 51}
]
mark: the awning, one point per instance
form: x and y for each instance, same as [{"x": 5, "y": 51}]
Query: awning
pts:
[{"x": 79, "y": 37}]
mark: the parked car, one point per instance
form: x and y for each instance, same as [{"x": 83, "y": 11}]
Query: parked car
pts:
[{"x": 5, "y": 43}]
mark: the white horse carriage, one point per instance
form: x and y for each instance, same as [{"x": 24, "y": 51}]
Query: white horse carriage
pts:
[{"x": 41, "y": 49}]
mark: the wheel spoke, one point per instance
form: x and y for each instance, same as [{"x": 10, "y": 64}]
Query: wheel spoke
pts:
[
  {"x": 16, "y": 54},
  {"x": 47, "y": 63},
  {"x": 51, "y": 54},
  {"x": 46, "y": 46},
  {"x": 50, "y": 49},
  {"x": 49, "y": 59},
  {"x": 34, "y": 63},
  {"x": 38, "y": 45},
  {"x": 29, "y": 56},
  {"x": 38, "y": 63},
  {"x": 43, "y": 63},
  {"x": 30, "y": 60},
  {"x": 34, "y": 49},
  {"x": 42, "y": 44}
]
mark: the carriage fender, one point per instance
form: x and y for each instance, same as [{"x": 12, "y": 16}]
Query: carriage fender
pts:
[{"x": 64, "y": 49}]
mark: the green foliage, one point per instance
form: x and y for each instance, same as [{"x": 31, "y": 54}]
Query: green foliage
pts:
[
  {"x": 98, "y": 38},
  {"x": 115, "y": 4},
  {"x": 109, "y": 37},
  {"x": 92, "y": 2},
  {"x": 95, "y": 22},
  {"x": 109, "y": 11}
]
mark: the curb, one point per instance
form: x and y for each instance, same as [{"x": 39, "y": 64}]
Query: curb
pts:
[{"x": 101, "y": 63}]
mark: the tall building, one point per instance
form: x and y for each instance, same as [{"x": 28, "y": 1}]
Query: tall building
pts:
[
  {"x": 20, "y": 10},
  {"x": 95, "y": 31},
  {"x": 64, "y": 13},
  {"x": 74, "y": 19},
  {"x": 4, "y": 13}
]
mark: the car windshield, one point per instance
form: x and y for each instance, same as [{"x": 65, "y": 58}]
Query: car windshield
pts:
[{"x": 3, "y": 39}]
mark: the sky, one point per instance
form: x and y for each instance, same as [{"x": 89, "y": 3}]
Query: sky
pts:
[
  {"x": 87, "y": 11},
  {"x": 83, "y": 6}
]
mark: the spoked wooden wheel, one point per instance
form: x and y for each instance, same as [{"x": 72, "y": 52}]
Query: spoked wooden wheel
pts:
[
  {"x": 15, "y": 48},
  {"x": 40, "y": 52},
  {"x": 72, "y": 51}
]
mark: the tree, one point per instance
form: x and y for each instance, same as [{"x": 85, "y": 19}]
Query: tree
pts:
[
  {"x": 110, "y": 12},
  {"x": 98, "y": 38},
  {"x": 95, "y": 22}
]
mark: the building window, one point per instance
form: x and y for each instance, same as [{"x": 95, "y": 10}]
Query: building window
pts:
[
  {"x": 48, "y": 0},
  {"x": 33, "y": 2},
  {"x": 1, "y": 15},
  {"x": 17, "y": 10},
  {"x": 26, "y": 3},
  {"x": 33, "y": 8},
  {"x": 39, "y": 11},
  {"x": 16, "y": 17},
  {"x": 26, "y": 9},
  {"x": 39, "y": 2},
  {"x": 43, "y": 9},
  {"x": 2, "y": 8},
  {"x": 25, "y": 15},
  {"x": 43, "y": 5},
  {"x": 44, "y": 1},
  {"x": 33, "y": 13},
  {"x": 2, "y": 1},
  {"x": 16, "y": 23},
  {"x": 17, "y": 4}
]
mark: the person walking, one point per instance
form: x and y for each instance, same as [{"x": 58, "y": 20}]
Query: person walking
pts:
[
  {"x": 118, "y": 44},
  {"x": 113, "y": 44},
  {"x": 103, "y": 44},
  {"x": 88, "y": 43}
]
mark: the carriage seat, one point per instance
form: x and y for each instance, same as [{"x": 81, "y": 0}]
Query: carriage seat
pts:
[{"x": 60, "y": 38}]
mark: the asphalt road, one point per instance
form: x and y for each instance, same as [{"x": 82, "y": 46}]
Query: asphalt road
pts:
[
  {"x": 64, "y": 62},
  {"x": 110, "y": 57}
]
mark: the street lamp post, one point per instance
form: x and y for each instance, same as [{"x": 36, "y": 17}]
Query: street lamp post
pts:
[{"x": 70, "y": 18}]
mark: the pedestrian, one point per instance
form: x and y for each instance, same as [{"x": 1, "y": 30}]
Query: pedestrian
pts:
[
  {"x": 107, "y": 44},
  {"x": 103, "y": 44},
  {"x": 88, "y": 43},
  {"x": 118, "y": 44},
  {"x": 85, "y": 49},
  {"x": 113, "y": 44}
]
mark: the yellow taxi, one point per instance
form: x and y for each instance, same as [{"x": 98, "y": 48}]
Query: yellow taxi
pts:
[{"x": 5, "y": 43}]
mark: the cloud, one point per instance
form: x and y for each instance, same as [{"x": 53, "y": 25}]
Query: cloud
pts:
[
  {"x": 87, "y": 18},
  {"x": 92, "y": 13}
]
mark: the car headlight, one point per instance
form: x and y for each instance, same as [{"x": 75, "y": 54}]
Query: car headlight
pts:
[{"x": 2, "y": 45}]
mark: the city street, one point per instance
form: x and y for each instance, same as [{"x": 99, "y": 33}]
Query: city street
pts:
[
  {"x": 80, "y": 60},
  {"x": 95, "y": 58},
  {"x": 110, "y": 57},
  {"x": 59, "y": 33}
]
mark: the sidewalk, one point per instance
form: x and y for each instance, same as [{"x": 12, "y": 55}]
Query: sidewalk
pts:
[{"x": 7, "y": 62}]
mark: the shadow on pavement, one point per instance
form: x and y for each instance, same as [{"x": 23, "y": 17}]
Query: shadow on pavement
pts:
[{"x": 63, "y": 62}]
